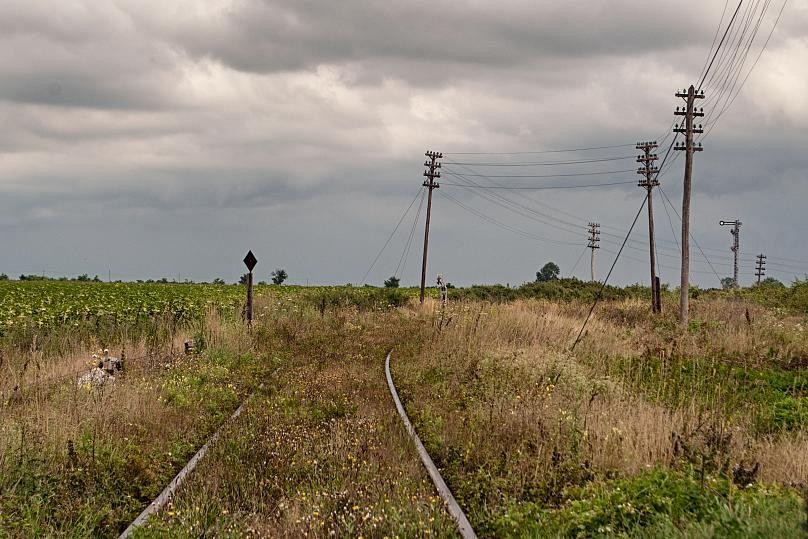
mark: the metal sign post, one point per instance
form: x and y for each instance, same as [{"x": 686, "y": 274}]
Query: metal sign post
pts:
[{"x": 250, "y": 261}]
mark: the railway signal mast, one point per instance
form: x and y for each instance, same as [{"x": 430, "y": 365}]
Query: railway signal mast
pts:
[{"x": 735, "y": 247}]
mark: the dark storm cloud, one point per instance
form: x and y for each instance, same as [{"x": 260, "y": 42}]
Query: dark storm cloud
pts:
[
  {"x": 299, "y": 127},
  {"x": 267, "y": 36}
]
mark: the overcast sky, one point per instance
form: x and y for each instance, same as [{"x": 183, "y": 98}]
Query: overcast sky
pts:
[{"x": 167, "y": 138}]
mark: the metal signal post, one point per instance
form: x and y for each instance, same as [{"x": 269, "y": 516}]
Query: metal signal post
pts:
[
  {"x": 736, "y": 245},
  {"x": 431, "y": 174},
  {"x": 649, "y": 181},
  {"x": 689, "y": 129}
]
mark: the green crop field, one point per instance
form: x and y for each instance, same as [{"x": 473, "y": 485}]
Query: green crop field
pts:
[
  {"x": 25, "y": 304},
  {"x": 45, "y": 303}
]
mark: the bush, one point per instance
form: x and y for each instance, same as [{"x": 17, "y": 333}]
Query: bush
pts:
[{"x": 559, "y": 290}]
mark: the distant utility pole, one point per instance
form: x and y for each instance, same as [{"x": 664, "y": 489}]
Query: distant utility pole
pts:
[
  {"x": 760, "y": 269},
  {"x": 736, "y": 245},
  {"x": 431, "y": 174},
  {"x": 648, "y": 171},
  {"x": 594, "y": 239},
  {"x": 689, "y": 129}
]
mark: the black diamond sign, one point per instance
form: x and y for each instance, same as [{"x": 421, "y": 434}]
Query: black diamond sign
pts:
[{"x": 250, "y": 261}]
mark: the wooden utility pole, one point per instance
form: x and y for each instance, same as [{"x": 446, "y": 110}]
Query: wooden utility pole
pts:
[
  {"x": 650, "y": 173},
  {"x": 760, "y": 267},
  {"x": 689, "y": 129},
  {"x": 735, "y": 247},
  {"x": 594, "y": 239},
  {"x": 431, "y": 174}
]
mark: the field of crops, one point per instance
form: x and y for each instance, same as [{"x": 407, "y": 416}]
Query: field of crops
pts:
[
  {"x": 44, "y": 303},
  {"x": 50, "y": 303}
]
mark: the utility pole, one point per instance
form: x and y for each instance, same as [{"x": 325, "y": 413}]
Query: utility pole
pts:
[
  {"x": 760, "y": 267},
  {"x": 594, "y": 239},
  {"x": 736, "y": 245},
  {"x": 689, "y": 129},
  {"x": 650, "y": 173},
  {"x": 431, "y": 174}
]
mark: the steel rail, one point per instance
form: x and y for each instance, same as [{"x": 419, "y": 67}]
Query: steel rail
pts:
[{"x": 463, "y": 524}]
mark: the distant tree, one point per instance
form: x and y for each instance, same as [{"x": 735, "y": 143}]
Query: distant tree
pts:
[
  {"x": 33, "y": 277},
  {"x": 243, "y": 278},
  {"x": 727, "y": 283},
  {"x": 262, "y": 283},
  {"x": 771, "y": 281},
  {"x": 549, "y": 272},
  {"x": 218, "y": 280},
  {"x": 3, "y": 277},
  {"x": 83, "y": 278},
  {"x": 392, "y": 282},
  {"x": 162, "y": 281},
  {"x": 279, "y": 275}
]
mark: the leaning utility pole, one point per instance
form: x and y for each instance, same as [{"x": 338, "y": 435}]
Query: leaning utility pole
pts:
[
  {"x": 650, "y": 172},
  {"x": 594, "y": 239},
  {"x": 736, "y": 245},
  {"x": 689, "y": 112},
  {"x": 760, "y": 269},
  {"x": 431, "y": 174}
]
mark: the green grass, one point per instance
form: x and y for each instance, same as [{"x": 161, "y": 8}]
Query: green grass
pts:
[
  {"x": 772, "y": 399},
  {"x": 660, "y": 503}
]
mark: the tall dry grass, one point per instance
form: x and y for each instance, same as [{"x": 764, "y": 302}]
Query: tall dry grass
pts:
[{"x": 499, "y": 392}]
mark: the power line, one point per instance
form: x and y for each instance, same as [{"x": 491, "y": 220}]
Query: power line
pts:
[
  {"x": 715, "y": 36},
  {"x": 746, "y": 77},
  {"x": 719, "y": 44},
  {"x": 539, "y": 152},
  {"x": 691, "y": 235},
  {"x": 580, "y": 256},
  {"x": 502, "y": 225},
  {"x": 386, "y": 243},
  {"x": 520, "y": 209},
  {"x": 533, "y": 188},
  {"x": 402, "y": 262},
  {"x": 603, "y": 286},
  {"x": 548, "y": 175},
  {"x": 542, "y": 163}
]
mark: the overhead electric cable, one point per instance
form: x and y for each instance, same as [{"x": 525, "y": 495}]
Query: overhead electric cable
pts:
[
  {"x": 529, "y": 188},
  {"x": 539, "y": 152},
  {"x": 549, "y": 175},
  {"x": 386, "y": 243},
  {"x": 402, "y": 262},
  {"x": 543, "y": 163},
  {"x": 719, "y": 44},
  {"x": 606, "y": 280}
]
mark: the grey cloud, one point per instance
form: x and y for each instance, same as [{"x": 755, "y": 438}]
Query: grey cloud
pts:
[
  {"x": 406, "y": 39},
  {"x": 171, "y": 137}
]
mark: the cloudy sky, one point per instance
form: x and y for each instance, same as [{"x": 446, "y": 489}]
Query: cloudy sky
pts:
[{"x": 155, "y": 139}]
